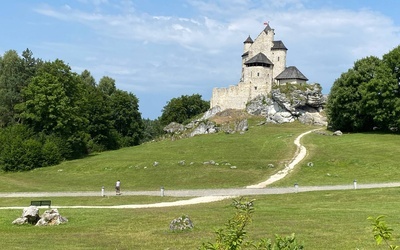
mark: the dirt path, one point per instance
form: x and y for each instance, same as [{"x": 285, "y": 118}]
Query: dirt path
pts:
[{"x": 301, "y": 152}]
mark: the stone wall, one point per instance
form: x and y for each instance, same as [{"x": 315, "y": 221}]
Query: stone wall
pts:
[{"x": 255, "y": 80}]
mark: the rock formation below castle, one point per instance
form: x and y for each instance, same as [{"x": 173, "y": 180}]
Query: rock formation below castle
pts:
[{"x": 291, "y": 103}]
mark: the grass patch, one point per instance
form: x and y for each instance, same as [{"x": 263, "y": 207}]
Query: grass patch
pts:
[
  {"x": 88, "y": 201},
  {"x": 365, "y": 157},
  {"x": 321, "y": 220},
  {"x": 242, "y": 159}
]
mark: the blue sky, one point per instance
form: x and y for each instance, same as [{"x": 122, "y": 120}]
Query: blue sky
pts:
[{"x": 160, "y": 49}]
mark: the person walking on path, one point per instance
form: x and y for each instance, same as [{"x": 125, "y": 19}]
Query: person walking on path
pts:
[{"x": 118, "y": 187}]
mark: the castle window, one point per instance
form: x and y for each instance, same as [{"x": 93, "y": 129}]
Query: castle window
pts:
[
  {"x": 258, "y": 74},
  {"x": 255, "y": 87},
  {"x": 278, "y": 58}
]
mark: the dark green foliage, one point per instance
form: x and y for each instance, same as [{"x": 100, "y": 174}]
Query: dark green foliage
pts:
[
  {"x": 15, "y": 73},
  {"x": 183, "y": 108},
  {"x": 26, "y": 150},
  {"x": 127, "y": 120},
  {"x": 152, "y": 129},
  {"x": 102, "y": 133},
  {"x": 367, "y": 96},
  {"x": 66, "y": 112}
]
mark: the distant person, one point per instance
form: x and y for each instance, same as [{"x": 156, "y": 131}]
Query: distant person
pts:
[{"x": 118, "y": 187}]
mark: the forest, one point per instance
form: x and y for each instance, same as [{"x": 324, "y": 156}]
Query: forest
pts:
[{"x": 48, "y": 113}]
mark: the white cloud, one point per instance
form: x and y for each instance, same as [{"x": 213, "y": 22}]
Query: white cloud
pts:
[{"x": 202, "y": 51}]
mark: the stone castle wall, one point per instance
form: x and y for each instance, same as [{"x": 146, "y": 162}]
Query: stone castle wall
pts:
[{"x": 255, "y": 80}]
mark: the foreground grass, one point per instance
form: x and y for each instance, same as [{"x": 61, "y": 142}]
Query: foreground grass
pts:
[{"x": 321, "y": 220}]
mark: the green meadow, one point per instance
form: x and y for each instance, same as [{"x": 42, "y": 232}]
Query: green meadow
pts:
[{"x": 321, "y": 220}]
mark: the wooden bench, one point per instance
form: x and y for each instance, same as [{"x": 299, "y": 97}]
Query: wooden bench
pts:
[{"x": 41, "y": 203}]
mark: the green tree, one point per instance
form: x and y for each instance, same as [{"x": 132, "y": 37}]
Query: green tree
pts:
[
  {"x": 55, "y": 102},
  {"x": 107, "y": 85},
  {"x": 126, "y": 117},
  {"x": 364, "y": 97},
  {"x": 15, "y": 73},
  {"x": 100, "y": 124},
  {"x": 152, "y": 129},
  {"x": 10, "y": 79},
  {"x": 183, "y": 108}
]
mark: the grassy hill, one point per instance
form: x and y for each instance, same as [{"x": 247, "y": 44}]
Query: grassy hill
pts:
[
  {"x": 322, "y": 220},
  {"x": 240, "y": 160}
]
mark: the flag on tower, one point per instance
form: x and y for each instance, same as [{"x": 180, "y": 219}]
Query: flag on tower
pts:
[{"x": 266, "y": 23}]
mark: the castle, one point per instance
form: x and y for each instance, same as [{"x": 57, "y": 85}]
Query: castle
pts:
[{"x": 263, "y": 64}]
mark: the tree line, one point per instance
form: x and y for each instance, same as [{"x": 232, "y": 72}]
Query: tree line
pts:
[
  {"x": 48, "y": 113},
  {"x": 367, "y": 96}
]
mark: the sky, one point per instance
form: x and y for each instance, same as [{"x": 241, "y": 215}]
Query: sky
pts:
[{"x": 159, "y": 49}]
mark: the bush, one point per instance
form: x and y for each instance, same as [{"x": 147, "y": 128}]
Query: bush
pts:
[
  {"x": 233, "y": 236},
  {"x": 22, "y": 150}
]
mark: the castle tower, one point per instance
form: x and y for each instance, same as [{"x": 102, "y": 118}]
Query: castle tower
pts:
[
  {"x": 262, "y": 61},
  {"x": 278, "y": 57},
  {"x": 246, "y": 46},
  {"x": 257, "y": 66}
]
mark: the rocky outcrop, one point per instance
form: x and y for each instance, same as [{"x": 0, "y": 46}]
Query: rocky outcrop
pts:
[
  {"x": 204, "y": 127},
  {"x": 30, "y": 215},
  {"x": 181, "y": 223},
  {"x": 174, "y": 127},
  {"x": 291, "y": 103}
]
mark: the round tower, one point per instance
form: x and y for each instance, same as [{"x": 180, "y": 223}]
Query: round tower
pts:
[{"x": 245, "y": 56}]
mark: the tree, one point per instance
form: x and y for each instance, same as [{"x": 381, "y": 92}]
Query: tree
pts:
[
  {"x": 100, "y": 125},
  {"x": 365, "y": 97},
  {"x": 183, "y": 108},
  {"x": 152, "y": 129},
  {"x": 55, "y": 104},
  {"x": 107, "y": 85},
  {"x": 15, "y": 73},
  {"x": 126, "y": 117},
  {"x": 10, "y": 78}
]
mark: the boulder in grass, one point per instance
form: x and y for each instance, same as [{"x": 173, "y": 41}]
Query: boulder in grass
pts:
[
  {"x": 181, "y": 223},
  {"x": 30, "y": 215},
  {"x": 51, "y": 218}
]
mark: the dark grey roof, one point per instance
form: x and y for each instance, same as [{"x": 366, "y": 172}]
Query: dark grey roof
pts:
[
  {"x": 267, "y": 28},
  {"x": 259, "y": 58},
  {"x": 279, "y": 45},
  {"x": 291, "y": 73},
  {"x": 248, "y": 40}
]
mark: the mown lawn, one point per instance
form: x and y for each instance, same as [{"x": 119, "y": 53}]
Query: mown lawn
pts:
[{"x": 321, "y": 220}]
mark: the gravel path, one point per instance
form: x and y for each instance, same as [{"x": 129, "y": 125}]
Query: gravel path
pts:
[{"x": 208, "y": 195}]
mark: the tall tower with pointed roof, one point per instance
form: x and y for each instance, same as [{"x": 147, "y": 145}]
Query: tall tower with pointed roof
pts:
[{"x": 262, "y": 61}]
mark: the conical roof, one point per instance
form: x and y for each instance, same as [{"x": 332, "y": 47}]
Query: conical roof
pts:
[
  {"x": 291, "y": 73},
  {"x": 259, "y": 58},
  {"x": 248, "y": 40}
]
